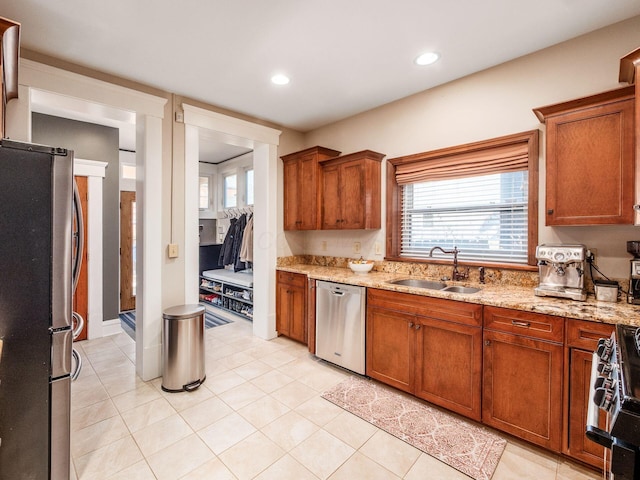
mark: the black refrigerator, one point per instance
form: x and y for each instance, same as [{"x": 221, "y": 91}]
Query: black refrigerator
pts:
[{"x": 36, "y": 249}]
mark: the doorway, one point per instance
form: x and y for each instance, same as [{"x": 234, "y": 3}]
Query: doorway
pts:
[{"x": 127, "y": 251}]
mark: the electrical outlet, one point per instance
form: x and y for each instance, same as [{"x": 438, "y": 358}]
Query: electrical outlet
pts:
[
  {"x": 323, "y": 245},
  {"x": 378, "y": 248},
  {"x": 356, "y": 247},
  {"x": 592, "y": 253},
  {"x": 173, "y": 250}
]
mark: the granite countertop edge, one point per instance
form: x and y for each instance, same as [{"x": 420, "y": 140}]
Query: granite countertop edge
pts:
[{"x": 514, "y": 297}]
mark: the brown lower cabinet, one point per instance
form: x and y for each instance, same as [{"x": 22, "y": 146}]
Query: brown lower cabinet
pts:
[
  {"x": 429, "y": 347},
  {"x": 291, "y": 305},
  {"x": 581, "y": 340},
  {"x": 523, "y": 375}
]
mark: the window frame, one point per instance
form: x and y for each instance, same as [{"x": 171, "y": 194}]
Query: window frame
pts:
[{"x": 394, "y": 198}]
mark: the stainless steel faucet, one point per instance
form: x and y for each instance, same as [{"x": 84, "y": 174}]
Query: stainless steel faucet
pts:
[{"x": 455, "y": 275}]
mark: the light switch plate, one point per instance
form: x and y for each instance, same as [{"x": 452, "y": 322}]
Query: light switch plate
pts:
[
  {"x": 356, "y": 247},
  {"x": 173, "y": 250}
]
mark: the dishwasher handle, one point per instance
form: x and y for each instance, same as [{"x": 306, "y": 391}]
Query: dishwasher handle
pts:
[{"x": 337, "y": 293}]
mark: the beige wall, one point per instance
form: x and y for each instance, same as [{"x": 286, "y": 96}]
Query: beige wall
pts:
[{"x": 488, "y": 104}]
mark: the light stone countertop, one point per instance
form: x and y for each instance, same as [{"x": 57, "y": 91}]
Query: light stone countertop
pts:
[{"x": 515, "y": 297}]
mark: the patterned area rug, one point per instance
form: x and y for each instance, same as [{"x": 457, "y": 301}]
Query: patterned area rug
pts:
[{"x": 469, "y": 448}]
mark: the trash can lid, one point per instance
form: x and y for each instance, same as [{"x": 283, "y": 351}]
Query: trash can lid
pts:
[{"x": 180, "y": 312}]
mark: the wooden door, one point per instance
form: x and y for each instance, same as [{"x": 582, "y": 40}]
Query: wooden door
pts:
[
  {"x": 579, "y": 446},
  {"x": 308, "y": 192},
  {"x": 283, "y": 309},
  {"x": 352, "y": 192},
  {"x": 290, "y": 196},
  {"x": 522, "y": 387},
  {"x": 449, "y": 365},
  {"x": 127, "y": 251},
  {"x": 297, "y": 312},
  {"x": 390, "y": 340},
  {"x": 331, "y": 201},
  {"x": 590, "y": 164},
  {"x": 81, "y": 294}
]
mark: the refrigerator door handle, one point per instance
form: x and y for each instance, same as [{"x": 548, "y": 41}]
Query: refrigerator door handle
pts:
[
  {"x": 61, "y": 341},
  {"x": 77, "y": 324},
  {"x": 77, "y": 365}
]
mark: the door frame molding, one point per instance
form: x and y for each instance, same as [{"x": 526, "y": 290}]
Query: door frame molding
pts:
[
  {"x": 264, "y": 141},
  {"x": 95, "y": 172}
]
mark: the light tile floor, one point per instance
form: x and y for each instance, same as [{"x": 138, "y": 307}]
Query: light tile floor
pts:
[{"x": 259, "y": 415}]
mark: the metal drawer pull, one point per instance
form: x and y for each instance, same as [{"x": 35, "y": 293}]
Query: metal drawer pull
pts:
[{"x": 519, "y": 323}]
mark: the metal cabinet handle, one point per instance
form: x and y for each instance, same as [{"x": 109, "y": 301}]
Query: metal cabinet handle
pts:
[
  {"x": 410, "y": 324},
  {"x": 418, "y": 326},
  {"x": 550, "y": 211},
  {"x": 518, "y": 323},
  {"x": 487, "y": 343}
]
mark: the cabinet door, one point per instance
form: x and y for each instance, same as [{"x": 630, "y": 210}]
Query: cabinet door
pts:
[
  {"x": 579, "y": 446},
  {"x": 308, "y": 192},
  {"x": 352, "y": 191},
  {"x": 291, "y": 198},
  {"x": 297, "y": 314},
  {"x": 283, "y": 309},
  {"x": 522, "y": 387},
  {"x": 449, "y": 365},
  {"x": 331, "y": 202},
  {"x": 390, "y": 337},
  {"x": 590, "y": 166}
]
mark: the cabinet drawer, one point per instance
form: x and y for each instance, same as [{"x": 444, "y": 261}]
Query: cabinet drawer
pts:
[
  {"x": 438, "y": 308},
  {"x": 585, "y": 335},
  {"x": 535, "y": 325},
  {"x": 293, "y": 279}
]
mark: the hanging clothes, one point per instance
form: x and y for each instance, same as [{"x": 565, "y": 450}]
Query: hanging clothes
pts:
[
  {"x": 240, "y": 225},
  {"x": 226, "y": 251},
  {"x": 246, "y": 251}
]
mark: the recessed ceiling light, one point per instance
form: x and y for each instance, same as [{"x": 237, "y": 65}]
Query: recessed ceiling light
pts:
[
  {"x": 427, "y": 58},
  {"x": 280, "y": 79}
]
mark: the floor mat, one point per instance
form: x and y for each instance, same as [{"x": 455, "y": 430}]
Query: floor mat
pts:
[
  {"x": 465, "y": 446},
  {"x": 128, "y": 321}
]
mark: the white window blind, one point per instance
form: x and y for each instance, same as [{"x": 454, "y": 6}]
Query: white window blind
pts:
[{"x": 484, "y": 216}]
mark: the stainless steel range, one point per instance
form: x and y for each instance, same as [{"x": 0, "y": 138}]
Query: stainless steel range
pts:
[
  {"x": 615, "y": 391},
  {"x": 561, "y": 270}
]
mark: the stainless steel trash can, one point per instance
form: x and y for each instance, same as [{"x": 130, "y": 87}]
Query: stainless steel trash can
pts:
[{"x": 183, "y": 348}]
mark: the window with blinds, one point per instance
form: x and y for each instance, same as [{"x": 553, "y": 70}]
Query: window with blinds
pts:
[
  {"x": 479, "y": 197},
  {"x": 486, "y": 217}
]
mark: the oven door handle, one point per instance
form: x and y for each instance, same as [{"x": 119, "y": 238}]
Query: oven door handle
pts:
[{"x": 595, "y": 433}]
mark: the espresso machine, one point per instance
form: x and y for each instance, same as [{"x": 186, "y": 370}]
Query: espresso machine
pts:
[
  {"x": 561, "y": 271},
  {"x": 633, "y": 248}
]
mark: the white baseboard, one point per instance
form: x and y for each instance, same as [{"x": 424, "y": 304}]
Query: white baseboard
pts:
[{"x": 111, "y": 327}]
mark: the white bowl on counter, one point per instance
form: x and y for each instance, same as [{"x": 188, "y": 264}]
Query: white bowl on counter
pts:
[{"x": 361, "y": 268}]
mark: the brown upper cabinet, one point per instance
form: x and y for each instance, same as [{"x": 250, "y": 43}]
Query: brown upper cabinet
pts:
[
  {"x": 590, "y": 159},
  {"x": 301, "y": 174},
  {"x": 351, "y": 191}
]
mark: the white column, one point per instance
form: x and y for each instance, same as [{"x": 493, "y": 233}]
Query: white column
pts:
[
  {"x": 191, "y": 220},
  {"x": 18, "y": 119},
  {"x": 265, "y": 168},
  {"x": 149, "y": 254}
]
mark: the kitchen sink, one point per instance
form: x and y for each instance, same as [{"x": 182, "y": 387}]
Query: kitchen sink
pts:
[
  {"x": 433, "y": 285},
  {"x": 460, "y": 289},
  {"x": 417, "y": 283}
]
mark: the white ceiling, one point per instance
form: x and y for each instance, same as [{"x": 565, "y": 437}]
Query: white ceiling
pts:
[{"x": 343, "y": 56}]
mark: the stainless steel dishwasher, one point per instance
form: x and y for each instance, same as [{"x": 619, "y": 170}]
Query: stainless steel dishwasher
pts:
[{"x": 340, "y": 325}]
